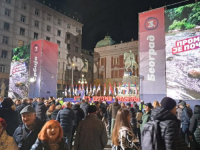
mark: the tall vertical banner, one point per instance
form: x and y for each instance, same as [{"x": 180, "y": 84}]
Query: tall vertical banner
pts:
[
  {"x": 49, "y": 69},
  {"x": 35, "y": 68},
  {"x": 43, "y": 68},
  {"x": 152, "y": 54}
]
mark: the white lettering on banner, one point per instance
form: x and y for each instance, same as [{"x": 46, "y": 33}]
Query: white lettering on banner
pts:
[
  {"x": 151, "y": 75},
  {"x": 35, "y": 62}
]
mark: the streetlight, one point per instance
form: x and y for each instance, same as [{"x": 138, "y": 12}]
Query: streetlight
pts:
[
  {"x": 72, "y": 73},
  {"x": 82, "y": 80}
]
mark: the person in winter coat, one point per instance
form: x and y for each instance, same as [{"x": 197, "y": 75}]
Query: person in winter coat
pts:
[
  {"x": 55, "y": 112},
  {"x": 178, "y": 112},
  {"x": 26, "y": 134},
  {"x": 109, "y": 117},
  {"x": 34, "y": 104},
  {"x": 9, "y": 115},
  {"x": 133, "y": 118},
  {"x": 50, "y": 137},
  {"x": 135, "y": 106},
  {"x": 6, "y": 142},
  {"x": 49, "y": 112},
  {"x": 91, "y": 133},
  {"x": 113, "y": 111},
  {"x": 20, "y": 107},
  {"x": 139, "y": 119},
  {"x": 79, "y": 116},
  {"x": 185, "y": 120},
  {"x": 171, "y": 137},
  {"x": 146, "y": 115},
  {"x": 41, "y": 110},
  {"x": 195, "y": 128},
  {"x": 66, "y": 117},
  {"x": 84, "y": 106},
  {"x": 122, "y": 135}
]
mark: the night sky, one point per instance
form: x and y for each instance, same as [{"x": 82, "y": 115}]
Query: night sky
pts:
[{"x": 118, "y": 18}]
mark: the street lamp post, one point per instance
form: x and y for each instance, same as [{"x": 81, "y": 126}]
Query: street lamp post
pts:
[{"x": 72, "y": 74}]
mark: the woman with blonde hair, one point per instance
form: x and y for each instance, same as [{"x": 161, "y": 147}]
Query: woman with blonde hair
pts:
[
  {"x": 156, "y": 104},
  {"x": 50, "y": 137},
  {"x": 122, "y": 135}
]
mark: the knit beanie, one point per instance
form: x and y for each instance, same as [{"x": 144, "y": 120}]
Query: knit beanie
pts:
[
  {"x": 92, "y": 109},
  {"x": 168, "y": 103}
]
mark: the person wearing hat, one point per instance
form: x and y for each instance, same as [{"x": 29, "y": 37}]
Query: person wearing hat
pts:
[
  {"x": 91, "y": 133},
  {"x": 141, "y": 106},
  {"x": 146, "y": 115},
  {"x": 185, "y": 120},
  {"x": 169, "y": 125},
  {"x": 27, "y": 132},
  {"x": 9, "y": 115}
]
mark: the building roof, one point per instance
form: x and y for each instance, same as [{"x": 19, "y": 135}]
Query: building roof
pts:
[
  {"x": 62, "y": 9},
  {"x": 105, "y": 42}
]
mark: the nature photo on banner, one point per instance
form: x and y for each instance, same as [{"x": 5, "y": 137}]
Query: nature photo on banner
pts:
[{"x": 182, "y": 39}]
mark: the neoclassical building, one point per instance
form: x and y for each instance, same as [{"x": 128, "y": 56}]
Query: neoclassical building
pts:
[{"x": 109, "y": 65}]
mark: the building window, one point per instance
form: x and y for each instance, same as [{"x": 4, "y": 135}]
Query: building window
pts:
[
  {"x": 68, "y": 46},
  {"x": 7, "y": 12},
  {"x": 9, "y": 1},
  {"x": 48, "y": 17},
  {"x": 102, "y": 61},
  {"x": 59, "y": 54},
  {"x": 59, "y": 33},
  {"x": 116, "y": 61},
  {"x": 6, "y": 26},
  {"x": 35, "y": 35},
  {"x": 5, "y": 40},
  {"x": 76, "y": 49},
  {"x": 2, "y": 68},
  {"x": 24, "y": 6},
  {"x": 37, "y": 24},
  {"x": 21, "y": 43},
  {"x": 59, "y": 22},
  {"x": 116, "y": 73},
  {"x": 58, "y": 42},
  {"x": 58, "y": 64},
  {"x": 48, "y": 28},
  {"x": 23, "y": 18},
  {"x": 68, "y": 26},
  {"x": 68, "y": 36},
  {"x": 22, "y": 31},
  {"x": 77, "y": 39},
  {"x": 4, "y": 54},
  {"x": 77, "y": 30},
  {"x": 37, "y": 12},
  {"x": 48, "y": 38}
]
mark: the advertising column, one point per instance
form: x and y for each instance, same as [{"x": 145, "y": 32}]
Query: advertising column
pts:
[
  {"x": 35, "y": 68},
  {"x": 152, "y": 55}
]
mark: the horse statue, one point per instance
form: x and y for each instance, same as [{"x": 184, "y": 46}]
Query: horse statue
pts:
[{"x": 129, "y": 61}]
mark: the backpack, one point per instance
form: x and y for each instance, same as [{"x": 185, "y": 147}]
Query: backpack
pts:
[{"x": 151, "y": 136}]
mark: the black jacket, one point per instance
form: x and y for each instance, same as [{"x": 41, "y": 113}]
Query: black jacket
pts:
[
  {"x": 19, "y": 108},
  {"x": 133, "y": 120},
  {"x": 54, "y": 114},
  {"x": 84, "y": 107},
  {"x": 41, "y": 111},
  {"x": 194, "y": 126},
  {"x": 66, "y": 117},
  {"x": 12, "y": 119},
  {"x": 41, "y": 145},
  {"x": 79, "y": 114},
  {"x": 26, "y": 138},
  {"x": 170, "y": 129}
]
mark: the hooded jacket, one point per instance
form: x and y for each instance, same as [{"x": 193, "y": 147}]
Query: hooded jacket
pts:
[
  {"x": 170, "y": 129},
  {"x": 195, "y": 124},
  {"x": 79, "y": 114}
]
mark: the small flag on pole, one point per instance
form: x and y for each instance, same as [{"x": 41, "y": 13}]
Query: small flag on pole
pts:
[
  {"x": 90, "y": 89},
  {"x": 98, "y": 89},
  {"x": 110, "y": 89},
  {"x": 66, "y": 91},
  {"x": 119, "y": 91},
  {"x": 73, "y": 90},
  {"x": 87, "y": 90},
  {"x": 115, "y": 92},
  {"x": 69, "y": 90},
  {"x": 94, "y": 89},
  {"x": 76, "y": 90},
  {"x": 104, "y": 93}
]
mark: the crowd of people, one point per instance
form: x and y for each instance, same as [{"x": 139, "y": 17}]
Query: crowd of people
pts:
[{"x": 40, "y": 124}]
